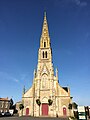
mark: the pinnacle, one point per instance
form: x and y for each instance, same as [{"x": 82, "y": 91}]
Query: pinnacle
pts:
[
  {"x": 45, "y": 13},
  {"x": 45, "y": 27}
]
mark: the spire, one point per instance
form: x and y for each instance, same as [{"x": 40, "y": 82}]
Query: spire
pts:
[
  {"x": 23, "y": 90},
  {"x": 45, "y": 34}
]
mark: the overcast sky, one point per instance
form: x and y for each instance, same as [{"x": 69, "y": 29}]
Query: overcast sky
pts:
[{"x": 20, "y": 31}]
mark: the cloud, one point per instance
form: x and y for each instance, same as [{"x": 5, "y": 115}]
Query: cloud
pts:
[
  {"x": 25, "y": 76},
  {"x": 63, "y": 3},
  {"x": 16, "y": 80},
  {"x": 68, "y": 52},
  {"x": 80, "y": 3},
  {"x": 5, "y": 76}
]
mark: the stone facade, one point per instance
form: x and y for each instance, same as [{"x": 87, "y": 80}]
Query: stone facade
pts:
[
  {"x": 45, "y": 88},
  {"x": 4, "y": 105}
]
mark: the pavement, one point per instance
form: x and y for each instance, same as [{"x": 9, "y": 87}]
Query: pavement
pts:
[{"x": 31, "y": 118}]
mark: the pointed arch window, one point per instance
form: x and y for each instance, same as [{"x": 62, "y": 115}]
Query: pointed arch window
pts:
[
  {"x": 46, "y": 54},
  {"x": 43, "y": 54},
  {"x": 44, "y": 44}
]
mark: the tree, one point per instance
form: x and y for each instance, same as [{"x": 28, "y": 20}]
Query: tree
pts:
[
  {"x": 70, "y": 106},
  {"x": 14, "y": 108},
  {"x": 38, "y": 102},
  {"x": 74, "y": 105},
  {"x": 21, "y": 106},
  {"x": 50, "y": 102},
  {"x": 11, "y": 103}
]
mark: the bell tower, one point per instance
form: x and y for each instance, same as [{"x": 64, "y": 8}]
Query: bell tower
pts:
[{"x": 44, "y": 77}]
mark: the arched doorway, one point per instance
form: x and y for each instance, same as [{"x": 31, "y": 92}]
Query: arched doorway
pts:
[
  {"x": 64, "y": 111},
  {"x": 27, "y": 111},
  {"x": 44, "y": 109}
]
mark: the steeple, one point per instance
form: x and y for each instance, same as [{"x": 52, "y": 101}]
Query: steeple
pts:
[
  {"x": 23, "y": 90},
  {"x": 45, "y": 52},
  {"x": 45, "y": 39}
]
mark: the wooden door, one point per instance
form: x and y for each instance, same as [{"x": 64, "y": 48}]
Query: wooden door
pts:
[
  {"x": 44, "y": 109},
  {"x": 64, "y": 111},
  {"x": 27, "y": 111}
]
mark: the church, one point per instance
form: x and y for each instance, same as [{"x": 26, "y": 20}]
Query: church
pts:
[{"x": 46, "y": 97}]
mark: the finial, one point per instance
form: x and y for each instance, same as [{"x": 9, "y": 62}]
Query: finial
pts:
[
  {"x": 24, "y": 89},
  {"x": 45, "y": 17},
  {"x": 45, "y": 13}
]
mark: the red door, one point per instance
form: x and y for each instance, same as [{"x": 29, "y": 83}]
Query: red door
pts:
[
  {"x": 64, "y": 111},
  {"x": 27, "y": 111},
  {"x": 45, "y": 109}
]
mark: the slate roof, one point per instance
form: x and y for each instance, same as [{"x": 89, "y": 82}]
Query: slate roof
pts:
[{"x": 65, "y": 88}]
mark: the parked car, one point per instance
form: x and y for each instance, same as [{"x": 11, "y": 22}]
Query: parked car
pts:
[
  {"x": 7, "y": 114},
  {"x": 2, "y": 113}
]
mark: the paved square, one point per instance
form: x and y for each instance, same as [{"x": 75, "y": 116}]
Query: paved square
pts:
[{"x": 31, "y": 118}]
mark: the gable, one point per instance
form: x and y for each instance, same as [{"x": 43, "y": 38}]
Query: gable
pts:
[
  {"x": 29, "y": 92},
  {"x": 44, "y": 69},
  {"x": 63, "y": 91}
]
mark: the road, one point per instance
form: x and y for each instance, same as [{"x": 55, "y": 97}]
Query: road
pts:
[{"x": 31, "y": 118}]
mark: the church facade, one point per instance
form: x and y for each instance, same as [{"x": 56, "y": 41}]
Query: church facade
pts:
[{"x": 46, "y": 97}]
